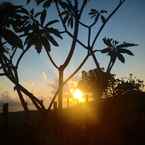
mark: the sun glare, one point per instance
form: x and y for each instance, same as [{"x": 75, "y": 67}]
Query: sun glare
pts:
[{"x": 79, "y": 96}]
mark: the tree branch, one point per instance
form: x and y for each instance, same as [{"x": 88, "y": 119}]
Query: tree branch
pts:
[
  {"x": 21, "y": 56},
  {"x": 52, "y": 61},
  {"x": 13, "y": 54},
  {"x": 72, "y": 75},
  {"x": 78, "y": 41},
  {"x": 108, "y": 18},
  {"x": 2, "y": 74},
  {"x": 84, "y": 25},
  {"x": 77, "y": 69}
]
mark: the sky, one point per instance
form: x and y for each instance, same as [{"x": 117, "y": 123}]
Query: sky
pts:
[{"x": 127, "y": 24}]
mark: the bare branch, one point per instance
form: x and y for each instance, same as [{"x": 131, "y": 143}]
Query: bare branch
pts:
[
  {"x": 21, "y": 56},
  {"x": 78, "y": 41},
  {"x": 108, "y": 18},
  {"x": 53, "y": 98},
  {"x": 2, "y": 74},
  {"x": 72, "y": 75},
  {"x": 52, "y": 61},
  {"x": 77, "y": 69},
  {"x": 13, "y": 54},
  {"x": 82, "y": 8},
  {"x": 65, "y": 28},
  {"x": 84, "y": 25}
]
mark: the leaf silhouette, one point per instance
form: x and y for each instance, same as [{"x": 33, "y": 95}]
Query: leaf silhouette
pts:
[
  {"x": 28, "y": 1},
  {"x": 121, "y": 58},
  {"x": 39, "y": 1},
  {"x": 116, "y": 50},
  {"x": 103, "y": 19},
  {"x": 121, "y": 50},
  {"x": 108, "y": 41},
  {"x": 52, "y": 40},
  {"x": 103, "y": 11},
  {"x": 38, "y": 46},
  {"x": 55, "y": 32},
  {"x": 47, "y": 4},
  {"x": 12, "y": 38},
  {"x": 105, "y": 50},
  {"x": 51, "y": 22},
  {"x": 126, "y": 44},
  {"x": 46, "y": 44},
  {"x": 43, "y": 16}
]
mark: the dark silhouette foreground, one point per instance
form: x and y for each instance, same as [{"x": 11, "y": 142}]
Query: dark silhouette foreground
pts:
[{"x": 113, "y": 121}]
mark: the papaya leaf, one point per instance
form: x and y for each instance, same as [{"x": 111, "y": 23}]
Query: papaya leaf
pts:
[
  {"x": 126, "y": 44},
  {"x": 121, "y": 58},
  {"x": 52, "y": 40},
  {"x": 64, "y": 5},
  {"x": 105, "y": 50},
  {"x": 39, "y": 1},
  {"x": 103, "y": 11},
  {"x": 71, "y": 22},
  {"x": 55, "y": 32},
  {"x": 37, "y": 14},
  {"x": 121, "y": 50},
  {"x": 38, "y": 47},
  {"x": 28, "y": 1},
  {"x": 103, "y": 19},
  {"x": 32, "y": 11},
  {"x": 108, "y": 41},
  {"x": 12, "y": 38},
  {"x": 47, "y": 4},
  {"x": 46, "y": 45},
  {"x": 51, "y": 22},
  {"x": 43, "y": 16},
  {"x": 66, "y": 18}
]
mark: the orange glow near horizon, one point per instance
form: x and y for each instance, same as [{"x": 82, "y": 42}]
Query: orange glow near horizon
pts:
[{"x": 78, "y": 95}]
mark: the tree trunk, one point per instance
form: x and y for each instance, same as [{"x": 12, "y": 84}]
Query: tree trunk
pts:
[
  {"x": 37, "y": 103},
  {"x": 23, "y": 102},
  {"x": 60, "y": 95}
]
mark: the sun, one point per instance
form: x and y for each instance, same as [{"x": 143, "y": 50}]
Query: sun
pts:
[{"x": 79, "y": 95}]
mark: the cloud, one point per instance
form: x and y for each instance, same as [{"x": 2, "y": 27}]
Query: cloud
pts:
[
  {"x": 6, "y": 97},
  {"x": 44, "y": 76}
]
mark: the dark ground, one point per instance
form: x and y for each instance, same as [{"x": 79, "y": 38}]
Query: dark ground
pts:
[{"x": 114, "y": 121}]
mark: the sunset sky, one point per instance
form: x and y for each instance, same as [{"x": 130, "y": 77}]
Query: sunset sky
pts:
[{"x": 128, "y": 24}]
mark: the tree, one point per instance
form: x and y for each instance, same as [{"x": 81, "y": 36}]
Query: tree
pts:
[
  {"x": 10, "y": 41},
  {"x": 116, "y": 50},
  {"x": 118, "y": 87},
  {"x": 95, "y": 82},
  {"x": 24, "y": 28}
]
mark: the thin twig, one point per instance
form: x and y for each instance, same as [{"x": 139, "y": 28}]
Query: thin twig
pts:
[
  {"x": 78, "y": 41},
  {"x": 77, "y": 69},
  {"x": 52, "y": 61},
  {"x": 108, "y": 18},
  {"x": 2, "y": 74},
  {"x": 13, "y": 54},
  {"x": 21, "y": 56},
  {"x": 84, "y": 25},
  {"x": 72, "y": 75}
]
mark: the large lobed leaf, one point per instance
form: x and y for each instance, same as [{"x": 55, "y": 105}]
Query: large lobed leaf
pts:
[
  {"x": 121, "y": 50},
  {"x": 12, "y": 38},
  {"x": 126, "y": 44}
]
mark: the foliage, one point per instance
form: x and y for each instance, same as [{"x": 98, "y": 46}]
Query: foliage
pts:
[
  {"x": 100, "y": 83},
  {"x": 116, "y": 50},
  {"x": 117, "y": 87},
  {"x": 95, "y": 82},
  {"x": 25, "y": 28}
]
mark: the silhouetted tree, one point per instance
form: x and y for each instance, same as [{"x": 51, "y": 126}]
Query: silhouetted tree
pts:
[
  {"x": 11, "y": 26},
  {"x": 118, "y": 87},
  {"x": 116, "y": 50},
  {"x": 23, "y": 28}
]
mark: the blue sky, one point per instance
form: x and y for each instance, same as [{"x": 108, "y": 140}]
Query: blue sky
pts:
[{"x": 128, "y": 24}]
